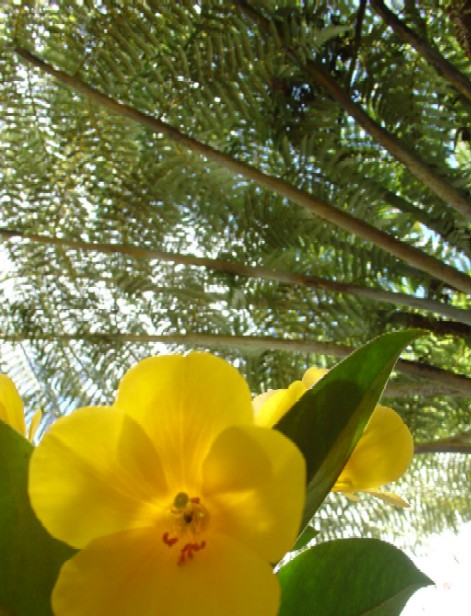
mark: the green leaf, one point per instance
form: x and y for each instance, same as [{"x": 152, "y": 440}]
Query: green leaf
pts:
[
  {"x": 327, "y": 422},
  {"x": 304, "y": 538},
  {"x": 30, "y": 558},
  {"x": 349, "y": 577}
]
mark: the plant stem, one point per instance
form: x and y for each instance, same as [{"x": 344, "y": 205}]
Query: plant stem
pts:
[
  {"x": 448, "y": 381},
  {"x": 260, "y": 272}
]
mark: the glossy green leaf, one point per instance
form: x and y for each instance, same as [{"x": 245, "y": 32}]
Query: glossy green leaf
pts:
[
  {"x": 349, "y": 577},
  {"x": 328, "y": 420},
  {"x": 29, "y": 557}
]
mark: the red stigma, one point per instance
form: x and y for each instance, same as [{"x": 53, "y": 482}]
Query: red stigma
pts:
[
  {"x": 169, "y": 540},
  {"x": 188, "y": 550}
]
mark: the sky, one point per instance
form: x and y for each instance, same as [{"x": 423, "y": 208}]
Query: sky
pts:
[{"x": 446, "y": 560}]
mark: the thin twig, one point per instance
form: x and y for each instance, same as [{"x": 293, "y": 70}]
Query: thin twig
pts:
[
  {"x": 356, "y": 39},
  {"x": 409, "y": 254}
]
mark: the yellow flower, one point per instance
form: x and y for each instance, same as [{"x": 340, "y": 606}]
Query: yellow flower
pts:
[
  {"x": 11, "y": 409},
  {"x": 178, "y": 502},
  {"x": 382, "y": 455}
]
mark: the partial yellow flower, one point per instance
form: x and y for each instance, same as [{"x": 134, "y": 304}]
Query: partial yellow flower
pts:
[
  {"x": 11, "y": 409},
  {"x": 382, "y": 455},
  {"x": 178, "y": 502}
]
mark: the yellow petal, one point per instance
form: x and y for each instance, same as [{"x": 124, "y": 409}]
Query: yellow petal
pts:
[
  {"x": 34, "y": 424},
  {"x": 134, "y": 574},
  {"x": 183, "y": 403},
  {"x": 312, "y": 375},
  {"x": 259, "y": 401},
  {"x": 382, "y": 454},
  {"x": 270, "y": 407},
  {"x": 95, "y": 473},
  {"x": 266, "y": 515},
  {"x": 388, "y": 497},
  {"x": 11, "y": 406},
  {"x": 235, "y": 463}
]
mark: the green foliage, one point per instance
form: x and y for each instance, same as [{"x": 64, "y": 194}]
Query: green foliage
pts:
[
  {"x": 29, "y": 557},
  {"x": 304, "y": 538},
  {"x": 349, "y": 577}
]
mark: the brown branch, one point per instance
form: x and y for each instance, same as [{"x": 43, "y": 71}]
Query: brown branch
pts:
[
  {"x": 316, "y": 206},
  {"x": 425, "y": 49},
  {"x": 460, "y": 13},
  {"x": 452, "y": 234},
  {"x": 356, "y": 39},
  {"x": 416, "y": 166},
  {"x": 460, "y": 382},
  {"x": 460, "y": 443},
  {"x": 441, "y": 448},
  {"x": 449, "y": 382},
  {"x": 264, "y": 273},
  {"x": 418, "y": 321}
]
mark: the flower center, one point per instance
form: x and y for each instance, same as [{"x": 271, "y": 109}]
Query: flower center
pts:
[{"x": 190, "y": 518}]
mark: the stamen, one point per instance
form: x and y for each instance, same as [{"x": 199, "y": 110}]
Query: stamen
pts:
[
  {"x": 169, "y": 540},
  {"x": 188, "y": 549},
  {"x": 189, "y": 518}
]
